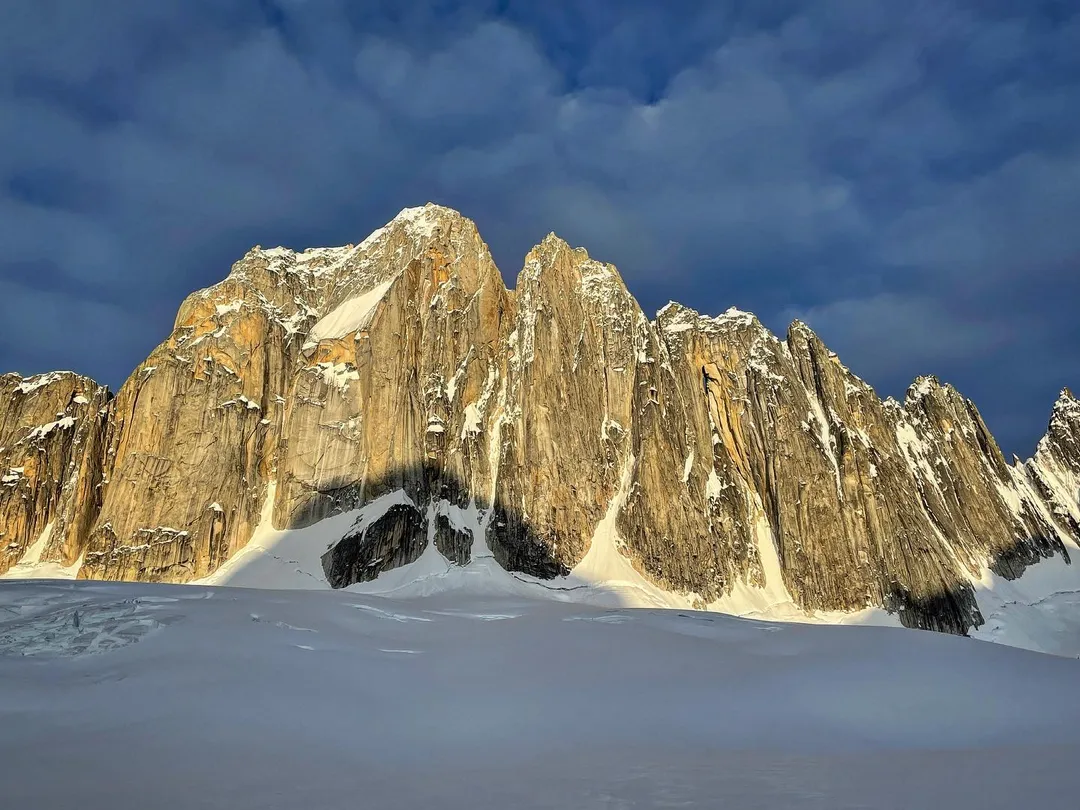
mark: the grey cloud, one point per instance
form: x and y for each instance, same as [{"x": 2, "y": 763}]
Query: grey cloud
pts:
[
  {"x": 24, "y": 311},
  {"x": 867, "y": 164},
  {"x": 1021, "y": 213},
  {"x": 901, "y": 336}
]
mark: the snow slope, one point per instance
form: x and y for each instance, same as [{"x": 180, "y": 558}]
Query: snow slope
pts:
[
  {"x": 349, "y": 316},
  {"x": 188, "y": 696},
  {"x": 1040, "y": 611},
  {"x": 32, "y": 567}
]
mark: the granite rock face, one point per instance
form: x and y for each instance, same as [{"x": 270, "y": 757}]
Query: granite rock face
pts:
[
  {"x": 401, "y": 378},
  {"x": 52, "y": 433},
  {"x": 1054, "y": 472},
  {"x": 910, "y": 500}
]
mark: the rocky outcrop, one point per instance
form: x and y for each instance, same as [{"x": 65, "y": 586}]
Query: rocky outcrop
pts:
[
  {"x": 1054, "y": 472},
  {"x": 193, "y": 432},
  {"x": 398, "y": 375},
  {"x": 401, "y": 378},
  {"x": 52, "y": 431}
]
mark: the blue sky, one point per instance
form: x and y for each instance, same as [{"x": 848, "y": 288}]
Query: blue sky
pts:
[{"x": 904, "y": 176}]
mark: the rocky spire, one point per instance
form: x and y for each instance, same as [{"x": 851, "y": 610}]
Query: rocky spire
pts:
[{"x": 1055, "y": 469}]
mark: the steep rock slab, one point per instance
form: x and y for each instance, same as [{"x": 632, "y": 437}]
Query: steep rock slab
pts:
[
  {"x": 790, "y": 470},
  {"x": 690, "y": 518},
  {"x": 52, "y": 430},
  {"x": 855, "y": 507},
  {"x": 1055, "y": 469},
  {"x": 562, "y": 440},
  {"x": 805, "y": 462},
  {"x": 193, "y": 433},
  {"x": 972, "y": 495},
  {"x": 398, "y": 392}
]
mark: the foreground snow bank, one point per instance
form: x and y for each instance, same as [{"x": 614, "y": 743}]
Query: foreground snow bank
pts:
[{"x": 174, "y": 696}]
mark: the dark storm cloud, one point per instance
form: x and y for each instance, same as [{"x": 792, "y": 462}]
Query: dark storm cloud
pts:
[{"x": 903, "y": 176}]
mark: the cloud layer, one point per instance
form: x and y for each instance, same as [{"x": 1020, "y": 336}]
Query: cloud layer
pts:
[{"x": 903, "y": 176}]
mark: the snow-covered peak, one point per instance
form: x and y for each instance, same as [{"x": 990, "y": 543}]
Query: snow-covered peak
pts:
[
  {"x": 31, "y": 384},
  {"x": 542, "y": 255},
  {"x": 922, "y": 386},
  {"x": 424, "y": 221},
  {"x": 736, "y": 316},
  {"x": 674, "y": 318},
  {"x": 671, "y": 308},
  {"x": 555, "y": 242},
  {"x": 803, "y": 330},
  {"x": 929, "y": 385},
  {"x": 326, "y": 290},
  {"x": 1067, "y": 405},
  {"x": 418, "y": 223},
  {"x": 601, "y": 282},
  {"x": 1064, "y": 421}
]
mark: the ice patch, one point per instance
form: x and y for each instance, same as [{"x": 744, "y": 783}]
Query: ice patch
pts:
[
  {"x": 225, "y": 309},
  {"x": 483, "y": 617},
  {"x": 714, "y": 487},
  {"x": 77, "y": 630},
  {"x": 1037, "y": 611},
  {"x": 30, "y": 565},
  {"x": 602, "y": 618},
  {"x": 473, "y": 422},
  {"x": 825, "y": 437},
  {"x": 688, "y": 465}
]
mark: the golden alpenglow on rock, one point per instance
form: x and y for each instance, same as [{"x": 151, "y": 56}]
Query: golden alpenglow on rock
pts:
[{"x": 553, "y": 427}]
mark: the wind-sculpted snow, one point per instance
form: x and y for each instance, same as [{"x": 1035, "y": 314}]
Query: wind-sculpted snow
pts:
[{"x": 240, "y": 698}]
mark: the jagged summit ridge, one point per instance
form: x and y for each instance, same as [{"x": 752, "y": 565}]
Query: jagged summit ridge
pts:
[
  {"x": 1067, "y": 405},
  {"x": 674, "y": 317},
  {"x": 549, "y": 426}
]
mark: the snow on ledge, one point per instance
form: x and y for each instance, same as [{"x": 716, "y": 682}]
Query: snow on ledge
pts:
[
  {"x": 350, "y": 316},
  {"x": 31, "y": 384}
]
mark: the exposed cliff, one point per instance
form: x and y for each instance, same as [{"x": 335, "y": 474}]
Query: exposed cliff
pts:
[
  {"x": 1054, "y": 472},
  {"x": 401, "y": 377},
  {"x": 52, "y": 430}
]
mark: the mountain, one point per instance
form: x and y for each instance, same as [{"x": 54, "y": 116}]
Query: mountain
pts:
[{"x": 398, "y": 382}]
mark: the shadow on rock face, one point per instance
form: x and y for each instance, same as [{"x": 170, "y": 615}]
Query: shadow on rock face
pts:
[
  {"x": 408, "y": 507},
  {"x": 402, "y": 511},
  {"x": 955, "y": 610},
  {"x": 1012, "y": 562},
  {"x": 952, "y": 611}
]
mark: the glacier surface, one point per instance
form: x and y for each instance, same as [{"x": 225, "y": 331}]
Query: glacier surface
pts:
[{"x": 126, "y": 695}]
